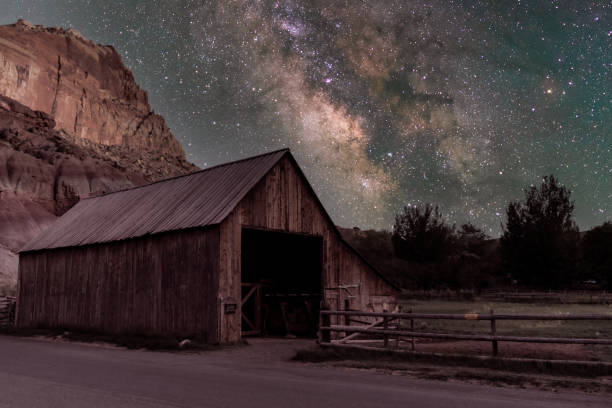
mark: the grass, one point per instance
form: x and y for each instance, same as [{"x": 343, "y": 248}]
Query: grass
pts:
[
  {"x": 528, "y": 328},
  {"x": 549, "y": 328}
]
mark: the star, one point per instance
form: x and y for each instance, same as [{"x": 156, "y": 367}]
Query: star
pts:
[{"x": 383, "y": 103}]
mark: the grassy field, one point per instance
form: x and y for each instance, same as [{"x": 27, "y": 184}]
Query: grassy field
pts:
[
  {"x": 561, "y": 328},
  {"x": 555, "y": 328}
]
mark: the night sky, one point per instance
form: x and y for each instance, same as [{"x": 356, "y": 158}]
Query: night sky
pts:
[{"x": 383, "y": 103}]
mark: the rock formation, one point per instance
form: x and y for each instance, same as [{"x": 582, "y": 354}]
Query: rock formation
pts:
[
  {"x": 84, "y": 87},
  {"x": 72, "y": 123}
]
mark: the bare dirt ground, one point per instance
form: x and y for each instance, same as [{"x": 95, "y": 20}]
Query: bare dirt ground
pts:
[
  {"x": 270, "y": 349},
  {"x": 482, "y": 376},
  {"x": 440, "y": 362},
  {"x": 56, "y": 373}
]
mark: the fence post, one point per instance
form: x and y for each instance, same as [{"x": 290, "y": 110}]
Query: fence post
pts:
[
  {"x": 347, "y": 318},
  {"x": 399, "y": 327},
  {"x": 324, "y": 321},
  {"x": 412, "y": 330},
  {"x": 385, "y": 327},
  {"x": 493, "y": 334}
]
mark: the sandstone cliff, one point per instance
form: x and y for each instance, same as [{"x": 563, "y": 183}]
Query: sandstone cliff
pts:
[
  {"x": 83, "y": 86},
  {"x": 72, "y": 123}
]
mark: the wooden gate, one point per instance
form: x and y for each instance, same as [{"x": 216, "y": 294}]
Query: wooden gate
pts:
[
  {"x": 264, "y": 311},
  {"x": 250, "y": 307}
]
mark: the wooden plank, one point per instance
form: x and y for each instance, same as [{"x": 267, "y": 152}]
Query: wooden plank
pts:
[
  {"x": 475, "y": 316},
  {"x": 152, "y": 284},
  {"x": 356, "y": 334},
  {"x": 247, "y": 321},
  {"x": 474, "y": 337},
  {"x": 248, "y": 295}
]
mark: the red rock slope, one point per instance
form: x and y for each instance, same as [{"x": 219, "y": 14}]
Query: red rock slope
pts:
[
  {"x": 72, "y": 123},
  {"x": 83, "y": 86}
]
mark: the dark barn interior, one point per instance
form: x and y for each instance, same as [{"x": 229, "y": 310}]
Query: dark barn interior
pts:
[{"x": 281, "y": 283}]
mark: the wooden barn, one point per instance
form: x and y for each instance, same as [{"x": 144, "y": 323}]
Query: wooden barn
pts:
[{"x": 237, "y": 249}]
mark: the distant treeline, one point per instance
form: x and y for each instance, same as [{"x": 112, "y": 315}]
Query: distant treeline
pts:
[{"x": 540, "y": 247}]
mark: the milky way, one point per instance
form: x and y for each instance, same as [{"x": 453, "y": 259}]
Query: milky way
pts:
[{"x": 384, "y": 103}]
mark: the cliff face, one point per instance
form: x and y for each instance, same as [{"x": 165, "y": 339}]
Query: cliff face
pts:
[
  {"x": 73, "y": 123},
  {"x": 84, "y": 87},
  {"x": 43, "y": 174}
]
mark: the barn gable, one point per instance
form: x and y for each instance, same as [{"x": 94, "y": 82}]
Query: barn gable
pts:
[{"x": 284, "y": 201}]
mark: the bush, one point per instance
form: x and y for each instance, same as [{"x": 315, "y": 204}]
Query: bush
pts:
[{"x": 597, "y": 254}]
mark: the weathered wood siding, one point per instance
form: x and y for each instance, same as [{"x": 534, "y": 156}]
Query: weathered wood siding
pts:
[
  {"x": 283, "y": 201},
  {"x": 161, "y": 284}
]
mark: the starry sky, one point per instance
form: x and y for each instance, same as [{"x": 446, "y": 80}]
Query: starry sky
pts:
[{"x": 384, "y": 103}]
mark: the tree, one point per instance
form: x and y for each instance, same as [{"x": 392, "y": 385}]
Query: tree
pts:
[
  {"x": 420, "y": 234},
  {"x": 539, "y": 241},
  {"x": 471, "y": 238},
  {"x": 597, "y": 254}
]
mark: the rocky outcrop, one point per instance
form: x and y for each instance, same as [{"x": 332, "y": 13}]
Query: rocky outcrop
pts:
[
  {"x": 73, "y": 123},
  {"x": 42, "y": 174},
  {"x": 83, "y": 86}
]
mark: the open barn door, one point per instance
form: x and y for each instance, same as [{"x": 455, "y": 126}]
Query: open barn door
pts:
[{"x": 281, "y": 283}]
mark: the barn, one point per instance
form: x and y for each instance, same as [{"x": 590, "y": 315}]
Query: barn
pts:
[{"x": 243, "y": 248}]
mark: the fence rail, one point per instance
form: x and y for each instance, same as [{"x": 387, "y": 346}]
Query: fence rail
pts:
[
  {"x": 469, "y": 316},
  {"x": 7, "y": 311},
  {"x": 576, "y": 296},
  {"x": 389, "y": 327}
]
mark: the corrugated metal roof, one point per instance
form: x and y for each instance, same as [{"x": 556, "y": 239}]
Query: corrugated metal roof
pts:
[{"x": 198, "y": 199}]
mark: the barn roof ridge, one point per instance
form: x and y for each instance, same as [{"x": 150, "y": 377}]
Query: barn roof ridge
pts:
[{"x": 284, "y": 149}]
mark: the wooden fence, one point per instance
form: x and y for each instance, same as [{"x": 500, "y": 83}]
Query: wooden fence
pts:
[
  {"x": 388, "y": 326},
  {"x": 7, "y": 311},
  {"x": 513, "y": 296},
  {"x": 561, "y": 297}
]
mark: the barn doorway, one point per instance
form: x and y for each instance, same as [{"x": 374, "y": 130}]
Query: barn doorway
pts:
[{"x": 281, "y": 283}]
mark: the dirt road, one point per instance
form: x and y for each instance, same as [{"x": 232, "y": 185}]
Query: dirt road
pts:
[{"x": 40, "y": 373}]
